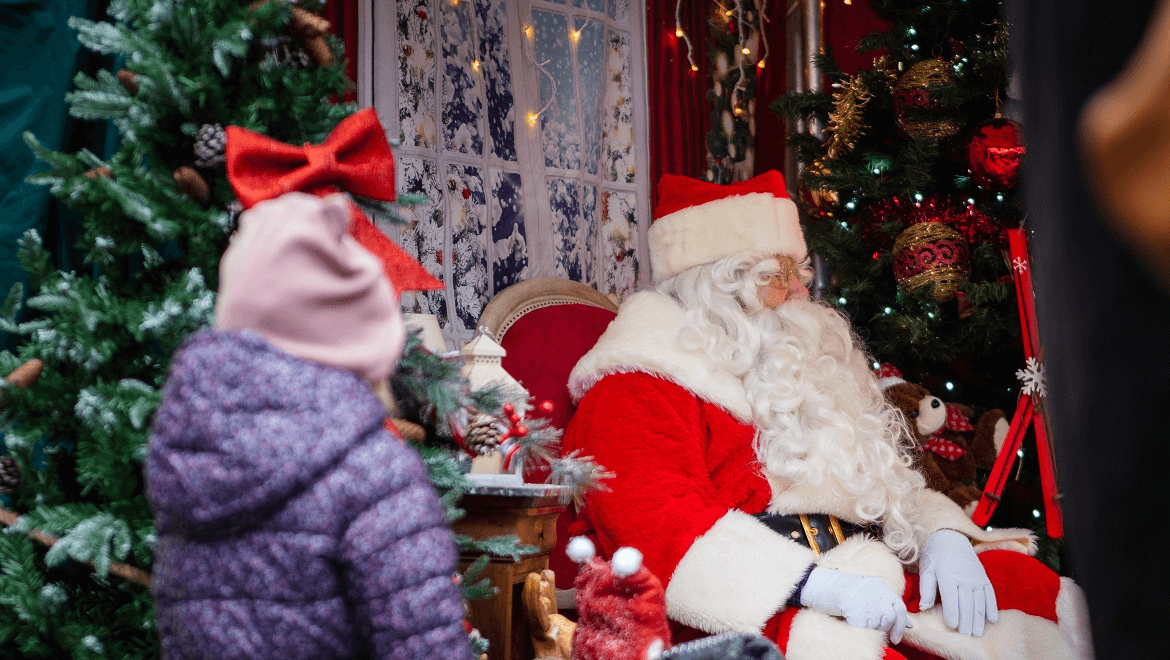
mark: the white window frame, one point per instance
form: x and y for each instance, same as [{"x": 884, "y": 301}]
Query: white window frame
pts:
[{"x": 377, "y": 87}]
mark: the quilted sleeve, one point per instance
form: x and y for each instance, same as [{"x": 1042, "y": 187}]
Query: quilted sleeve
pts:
[
  {"x": 398, "y": 558},
  {"x": 724, "y": 570}
]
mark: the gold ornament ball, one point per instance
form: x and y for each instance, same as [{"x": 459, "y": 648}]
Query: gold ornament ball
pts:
[
  {"x": 918, "y": 113},
  {"x": 932, "y": 252}
]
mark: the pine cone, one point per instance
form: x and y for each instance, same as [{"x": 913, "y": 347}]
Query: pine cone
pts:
[
  {"x": 9, "y": 474},
  {"x": 483, "y": 433},
  {"x": 129, "y": 80},
  {"x": 191, "y": 184},
  {"x": 210, "y": 145}
]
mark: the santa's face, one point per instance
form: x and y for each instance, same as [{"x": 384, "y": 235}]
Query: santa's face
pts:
[{"x": 784, "y": 285}]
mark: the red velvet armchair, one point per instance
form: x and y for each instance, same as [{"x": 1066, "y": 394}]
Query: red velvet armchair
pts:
[{"x": 546, "y": 324}]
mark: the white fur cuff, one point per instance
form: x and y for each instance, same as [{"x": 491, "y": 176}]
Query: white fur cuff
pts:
[{"x": 735, "y": 577}]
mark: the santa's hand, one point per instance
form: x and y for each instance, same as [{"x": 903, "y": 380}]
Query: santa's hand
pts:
[
  {"x": 950, "y": 568},
  {"x": 864, "y": 601}
]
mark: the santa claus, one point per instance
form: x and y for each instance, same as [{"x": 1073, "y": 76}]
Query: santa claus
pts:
[{"x": 764, "y": 477}]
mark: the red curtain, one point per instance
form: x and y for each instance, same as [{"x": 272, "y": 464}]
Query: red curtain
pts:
[
  {"x": 771, "y": 83},
  {"x": 844, "y": 26},
  {"x": 343, "y": 22},
  {"x": 679, "y": 109}
]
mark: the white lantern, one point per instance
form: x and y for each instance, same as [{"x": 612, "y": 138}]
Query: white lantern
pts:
[{"x": 482, "y": 368}]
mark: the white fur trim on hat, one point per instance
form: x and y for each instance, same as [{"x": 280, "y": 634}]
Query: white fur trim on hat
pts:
[{"x": 710, "y": 231}]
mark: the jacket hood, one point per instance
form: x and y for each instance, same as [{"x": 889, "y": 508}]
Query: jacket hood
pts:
[{"x": 243, "y": 426}]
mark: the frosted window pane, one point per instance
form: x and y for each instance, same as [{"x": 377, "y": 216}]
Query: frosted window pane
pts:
[
  {"x": 595, "y": 5},
  {"x": 423, "y": 237},
  {"x": 416, "y": 77},
  {"x": 620, "y": 10},
  {"x": 617, "y": 123},
  {"x": 510, "y": 244},
  {"x": 497, "y": 75},
  {"x": 591, "y": 53},
  {"x": 589, "y": 220},
  {"x": 619, "y": 231},
  {"x": 462, "y": 93},
  {"x": 560, "y": 134},
  {"x": 567, "y": 236},
  {"x": 467, "y": 209}
]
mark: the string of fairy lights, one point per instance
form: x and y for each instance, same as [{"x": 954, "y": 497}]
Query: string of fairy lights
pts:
[
  {"x": 528, "y": 48},
  {"x": 749, "y": 18}
]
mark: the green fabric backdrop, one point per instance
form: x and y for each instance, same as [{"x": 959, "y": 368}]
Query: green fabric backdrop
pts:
[{"x": 39, "y": 55}]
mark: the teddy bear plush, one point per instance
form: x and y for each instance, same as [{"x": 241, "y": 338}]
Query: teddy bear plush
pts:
[{"x": 949, "y": 448}]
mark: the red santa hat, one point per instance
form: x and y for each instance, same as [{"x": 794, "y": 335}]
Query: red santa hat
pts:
[
  {"x": 697, "y": 222},
  {"x": 621, "y": 607}
]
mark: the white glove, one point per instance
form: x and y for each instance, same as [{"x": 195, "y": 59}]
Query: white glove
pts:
[
  {"x": 949, "y": 567},
  {"x": 864, "y": 601}
]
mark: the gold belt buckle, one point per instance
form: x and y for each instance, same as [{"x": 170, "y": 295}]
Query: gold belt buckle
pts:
[
  {"x": 810, "y": 533},
  {"x": 835, "y": 528}
]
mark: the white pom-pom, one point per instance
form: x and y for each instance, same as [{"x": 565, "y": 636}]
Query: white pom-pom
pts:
[
  {"x": 580, "y": 549},
  {"x": 626, "y": 562},
  {"x": 654, "y": 651}
]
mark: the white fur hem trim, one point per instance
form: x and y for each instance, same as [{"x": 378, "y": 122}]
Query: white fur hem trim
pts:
[
  {"x": 818, "y": 636},
  {"x": 937, "y": 511},
  {"x": 735, "y": 577},
  {"x": 1072, "y": 615},
  {"x": 861, "y": 555},
  {"x": 713, "y": 230},
  {"x": 1016, "y": 636}
]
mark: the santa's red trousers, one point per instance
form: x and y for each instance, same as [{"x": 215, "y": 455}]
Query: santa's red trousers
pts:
[{"x": 1021, "y": 583}]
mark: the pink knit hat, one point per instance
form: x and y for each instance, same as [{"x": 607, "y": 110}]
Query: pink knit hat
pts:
[
  {"x": 293, "y": 274},
  {"x": 696, "y": 222}
]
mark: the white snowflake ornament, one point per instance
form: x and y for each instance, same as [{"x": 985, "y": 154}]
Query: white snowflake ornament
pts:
[
  {"x": 1019, "y": 265},
  {"x": 1032, "y": 378}
]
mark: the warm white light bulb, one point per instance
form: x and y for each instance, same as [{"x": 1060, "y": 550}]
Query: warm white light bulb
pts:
[
  {"x": 678, "y": 32},
  {"x": 532, "y": 117},
  {"x": 746, "y": 50},
  {"x": 760, "y": 64}
]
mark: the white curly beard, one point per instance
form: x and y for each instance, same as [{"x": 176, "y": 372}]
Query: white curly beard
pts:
[{"x": 821, "y": 417}]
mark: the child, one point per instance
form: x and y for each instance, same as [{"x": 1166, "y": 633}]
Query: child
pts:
[{"x": 290, "y": 524}]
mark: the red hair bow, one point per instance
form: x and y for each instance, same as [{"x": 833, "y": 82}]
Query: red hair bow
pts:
[{"x": 355, "y": 158}]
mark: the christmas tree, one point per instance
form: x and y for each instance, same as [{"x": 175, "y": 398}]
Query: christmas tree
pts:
[
  {"x": 908, "y": 194},
  {"x": 74, "y": 567}
]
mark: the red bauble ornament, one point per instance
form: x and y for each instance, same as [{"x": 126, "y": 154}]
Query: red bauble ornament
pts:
[
  {"x": 994, "y": 154},
  {"x": 466, "y": 193},
  {"x": 422, "y": 14}
]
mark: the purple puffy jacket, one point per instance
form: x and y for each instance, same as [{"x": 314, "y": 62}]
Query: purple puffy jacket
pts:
[{"x": 290, "y": 524}]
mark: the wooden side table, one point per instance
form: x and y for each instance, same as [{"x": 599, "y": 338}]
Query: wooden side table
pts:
[{"x": 530, "y": 512}]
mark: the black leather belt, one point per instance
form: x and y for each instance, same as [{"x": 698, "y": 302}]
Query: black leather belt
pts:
[{"x": 817, "y": 531}]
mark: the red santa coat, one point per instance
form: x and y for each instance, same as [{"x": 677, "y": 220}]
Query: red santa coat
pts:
[{"x": 672, "y": 428}]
